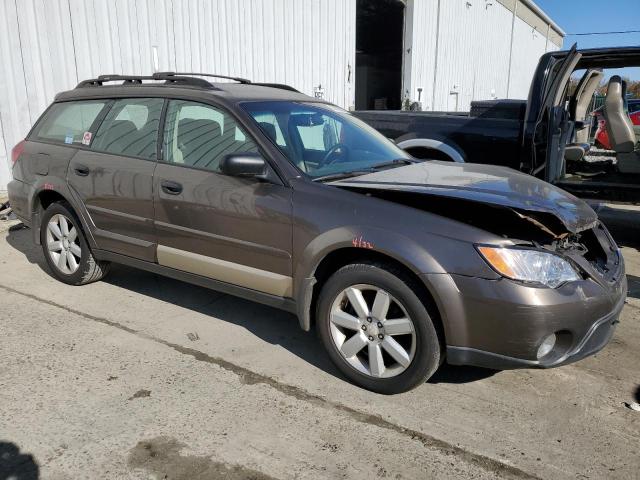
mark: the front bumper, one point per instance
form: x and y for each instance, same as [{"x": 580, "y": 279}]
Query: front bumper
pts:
[
  {"x": 500, "y": 324},
  {"x": 594, "y": 340}
]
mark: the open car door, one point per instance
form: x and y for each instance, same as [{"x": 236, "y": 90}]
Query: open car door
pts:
[{"x": 553, "y": 127}]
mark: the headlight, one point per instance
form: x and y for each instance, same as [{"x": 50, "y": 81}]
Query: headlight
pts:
[{"x": 529, "y": 265}]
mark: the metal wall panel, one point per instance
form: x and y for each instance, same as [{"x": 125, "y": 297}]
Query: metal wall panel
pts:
[
  {"x": 47, "y": 46},
  {"x": 455, "y": 50},
  {"x": 528, "y": 46},
  {"x": 461, "y": 50}
]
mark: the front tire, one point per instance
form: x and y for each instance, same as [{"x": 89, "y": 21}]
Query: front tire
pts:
[
  {"x": 66, "y": 249},
  {"x": 376, "y": 329}
]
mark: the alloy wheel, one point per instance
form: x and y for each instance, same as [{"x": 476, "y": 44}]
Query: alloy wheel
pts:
[
  {"x": 63, "y": 244},
  {"x": 372, "y": 331}
]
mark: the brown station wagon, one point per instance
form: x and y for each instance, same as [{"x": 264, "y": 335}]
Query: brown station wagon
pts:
[{"x": 260, "y": 191}]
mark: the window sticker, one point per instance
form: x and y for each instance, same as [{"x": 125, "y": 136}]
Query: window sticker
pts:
[
  {"x": 86, "y": 138},
  {"x": 68, "y": 139}
]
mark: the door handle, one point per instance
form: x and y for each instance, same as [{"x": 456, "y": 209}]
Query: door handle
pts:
[
  {"x": 172, "y": 188},
  {"x": 81, "y": 170}
]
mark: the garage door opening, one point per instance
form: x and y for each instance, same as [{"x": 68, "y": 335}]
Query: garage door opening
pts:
[{"x": 379, "y": 35}]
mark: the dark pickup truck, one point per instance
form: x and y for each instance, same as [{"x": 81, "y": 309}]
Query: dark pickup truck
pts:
[{"x": 547, "y": 135}]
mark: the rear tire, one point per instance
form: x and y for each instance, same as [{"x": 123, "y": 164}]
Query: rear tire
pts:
[
  {"x": 403, "y": 356},
  {"x": 66, "y": 249}
]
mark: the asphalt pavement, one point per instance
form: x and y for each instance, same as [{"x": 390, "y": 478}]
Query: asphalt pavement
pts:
[{"x": 140, "y": 376}]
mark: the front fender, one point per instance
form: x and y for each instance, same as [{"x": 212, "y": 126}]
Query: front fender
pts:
[{"x": 366, "y": 238}]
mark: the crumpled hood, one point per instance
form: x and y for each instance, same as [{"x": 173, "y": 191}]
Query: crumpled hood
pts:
[{"x": 481, "y": 183}]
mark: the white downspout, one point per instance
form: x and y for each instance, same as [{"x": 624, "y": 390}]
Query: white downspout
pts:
[
  {"x": 513, "y": 26},
  {"x": 435, "y": 63}
]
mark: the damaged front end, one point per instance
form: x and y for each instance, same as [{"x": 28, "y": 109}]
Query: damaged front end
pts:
[{"x": 587, "y": 245}]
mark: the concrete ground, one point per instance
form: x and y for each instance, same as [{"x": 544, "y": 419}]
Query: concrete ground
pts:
[{"x": 140, "y": 376}]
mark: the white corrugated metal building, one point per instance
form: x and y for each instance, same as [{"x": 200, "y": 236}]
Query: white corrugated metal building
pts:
[{"x": 356, "y": 53}]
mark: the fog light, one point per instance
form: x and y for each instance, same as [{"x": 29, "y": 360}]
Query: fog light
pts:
[{"x": 546, "y": 346}]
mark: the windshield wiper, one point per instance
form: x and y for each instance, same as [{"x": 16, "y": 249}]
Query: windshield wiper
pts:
[
  {"x": 373, "y": 168},
  {"x": 393, "y": 163},
  {"x": 340, "y": 175}
]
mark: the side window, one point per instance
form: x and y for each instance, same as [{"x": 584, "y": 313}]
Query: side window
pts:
[
  {"x": 200, "y": 135},
  {"x": 66, "y": 122},
  {"x": 130, "y": 128}
]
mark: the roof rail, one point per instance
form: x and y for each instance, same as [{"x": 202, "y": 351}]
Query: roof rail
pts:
[
  {"x": 213, "y": 75},
  {"x": 170, "y": 78},
  {"x": 281, "y": 86},
  {"x": 175, "y": 78}
]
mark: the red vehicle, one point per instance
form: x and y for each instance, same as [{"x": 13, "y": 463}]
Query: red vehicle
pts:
[{"x": 602, "y": 137}]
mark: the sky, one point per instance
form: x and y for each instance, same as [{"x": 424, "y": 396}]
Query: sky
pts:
[{"x": 577, "y": 16}]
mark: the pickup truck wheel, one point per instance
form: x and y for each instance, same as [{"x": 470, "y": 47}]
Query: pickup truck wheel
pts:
[
  {"x": 376, "y": 330},
  {"x": 65, "y": 247},
  {"x": 424, "y": 153}
]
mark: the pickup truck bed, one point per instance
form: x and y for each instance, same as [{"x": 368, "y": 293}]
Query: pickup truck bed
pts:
[{"x": 490, "y": 133}]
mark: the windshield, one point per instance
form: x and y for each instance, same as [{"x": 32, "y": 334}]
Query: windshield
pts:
[{"x": 323, "y": 140}]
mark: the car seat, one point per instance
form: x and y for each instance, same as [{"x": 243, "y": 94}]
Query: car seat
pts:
[
  {"x": 620, "y": 128},
  {"x": 196, "y": 141}
]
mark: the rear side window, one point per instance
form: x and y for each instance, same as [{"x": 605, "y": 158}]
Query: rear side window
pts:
[
  {"x": 67, "y": 122},
  {"x": 200, "y": 135},
  {"x": 130, "y": 128}
]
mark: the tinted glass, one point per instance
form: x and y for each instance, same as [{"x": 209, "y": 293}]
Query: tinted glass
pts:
[
  {"x": 68, "y": 121},
  {"x": 321, "y": 139},
  {"x": 200, "y": 135},
  {"x": 130, "y": 128},
  {"x": 269, "y": 124}
]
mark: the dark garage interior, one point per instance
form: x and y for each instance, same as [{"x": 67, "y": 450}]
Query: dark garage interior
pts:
[{"x": 379, "y": 36}]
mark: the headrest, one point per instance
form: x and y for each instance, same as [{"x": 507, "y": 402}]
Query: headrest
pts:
[
  {"x": 122, "y": 127},
  {"x": 269, "y": 129},
  {"x": 190, "y": 128}
]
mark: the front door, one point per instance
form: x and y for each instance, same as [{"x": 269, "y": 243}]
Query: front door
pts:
[
  {"x": 235, "y": 230},
  {"x": 114, "y": 178},
  {"x": 552, "y": 135}
]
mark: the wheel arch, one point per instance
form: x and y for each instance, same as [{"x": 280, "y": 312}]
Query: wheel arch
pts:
[
  {"x": 453, "y": 152},
  {"x": 344, "y": 255},
  {"x": 42, "y": 198}
]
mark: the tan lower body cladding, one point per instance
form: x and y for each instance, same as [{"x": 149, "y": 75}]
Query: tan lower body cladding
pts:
[{"x": 229, "y": 272}]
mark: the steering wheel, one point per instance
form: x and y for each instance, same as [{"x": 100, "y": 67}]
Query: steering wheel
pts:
[{"x": 338, "y": 151}]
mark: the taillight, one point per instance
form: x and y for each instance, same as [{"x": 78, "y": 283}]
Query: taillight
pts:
[{"x": 17, "y": 151}]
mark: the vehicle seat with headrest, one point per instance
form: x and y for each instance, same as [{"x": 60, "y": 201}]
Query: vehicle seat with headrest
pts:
[
  {"x": 195, "y": 139},
  {"x": 269, "y": 129},
  {"x": 618, "y": 123},
  {"x": 116, "y": 138}
]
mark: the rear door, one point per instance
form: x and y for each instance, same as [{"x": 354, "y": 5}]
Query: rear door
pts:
[
  {"x": 235, "y": 230},
  {"x": 114, "y": 177}
]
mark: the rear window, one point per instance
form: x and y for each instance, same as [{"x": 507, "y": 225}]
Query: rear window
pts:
[{"x": 68, "y": 121}]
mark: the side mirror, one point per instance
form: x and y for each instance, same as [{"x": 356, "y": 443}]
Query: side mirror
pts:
[{"x": 244, "y": 165}]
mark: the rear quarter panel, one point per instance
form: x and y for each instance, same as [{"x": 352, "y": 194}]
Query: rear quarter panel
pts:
[
  {"x": 43, "y": 161},
  {"x": 42, "y": 167}
]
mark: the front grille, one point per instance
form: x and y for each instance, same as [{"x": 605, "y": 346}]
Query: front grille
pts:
[{"x": 595, "y": 251}]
